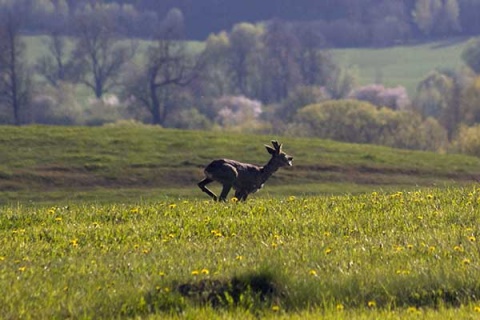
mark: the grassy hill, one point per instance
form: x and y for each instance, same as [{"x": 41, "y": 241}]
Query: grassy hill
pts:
[{"x": 41, "y": 163}]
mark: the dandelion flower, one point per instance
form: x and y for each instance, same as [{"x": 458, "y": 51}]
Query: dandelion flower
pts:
[
  {"x": 458, "y": 248},
  {"x": 371, "y": 304},
  {"x": 205, "y": 271},
  {"x": 234, "y": 200},
  {"x": 22, "y": 269},
  {"x": 328, "y": 251},
  {"x": 275, "y": 308},
  {"x": 466, "y": 261},
  {"x": 313, "y": 273},
  {"x": 472, "y": 239},
  {"x": 135, "y": 210},
  {"x": 476, "y": 309},
  {"x": 195, "y": 273},
  {"x": 340, "y": 307},
  {"x": 412, "y": 310},
  {"x": 172, "y": 206}
]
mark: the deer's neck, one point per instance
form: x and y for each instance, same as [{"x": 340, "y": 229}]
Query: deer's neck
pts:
[{"x": 268, "y": 169}]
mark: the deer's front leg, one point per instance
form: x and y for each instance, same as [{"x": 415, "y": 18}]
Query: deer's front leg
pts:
[
  {"x": 225, "y": 191},
  {"x": 241, "y": 195}
]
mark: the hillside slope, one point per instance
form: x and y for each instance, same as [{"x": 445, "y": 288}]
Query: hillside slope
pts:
[{"x": 38, "y": 163}]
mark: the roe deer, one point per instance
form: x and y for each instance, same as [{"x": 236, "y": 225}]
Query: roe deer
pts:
[{"x": 244, "y": 178}]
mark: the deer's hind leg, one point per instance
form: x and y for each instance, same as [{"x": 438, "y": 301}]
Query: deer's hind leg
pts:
[{"x": 203, "y": 186}]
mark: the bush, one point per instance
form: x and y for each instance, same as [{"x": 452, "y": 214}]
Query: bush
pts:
[
  {"x": 188, "y": 119},
  {"x": 362, "y": 122},
  {"x": 236, "y": 110},
  {"x": 393, "y": 98},
  {"x": 467, "y": 140},
  {"x": 55, "y": 106}
]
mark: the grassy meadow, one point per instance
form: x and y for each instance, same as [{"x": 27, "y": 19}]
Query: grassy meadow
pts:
[
  {"x": 377, "y": 255},
  {"x": 107, "y": 222},
  {"x": 404, "y": 65}
]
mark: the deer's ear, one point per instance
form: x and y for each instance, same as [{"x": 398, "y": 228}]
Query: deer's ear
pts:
[{"x": 270, "y": 149}]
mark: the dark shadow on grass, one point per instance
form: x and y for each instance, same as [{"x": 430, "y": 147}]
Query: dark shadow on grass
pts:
[{"x": 252, "y": 291}]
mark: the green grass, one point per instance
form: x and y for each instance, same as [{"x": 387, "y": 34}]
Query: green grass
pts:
[
  {"x": 402, "y": 65},
  {"x": 42, "y": 163},
  {"x": 107, "y": 222},
  {"x": 377, "y": 255}
]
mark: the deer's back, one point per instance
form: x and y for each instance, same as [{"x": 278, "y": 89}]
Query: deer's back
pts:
[{"x": 226, "y": 170}]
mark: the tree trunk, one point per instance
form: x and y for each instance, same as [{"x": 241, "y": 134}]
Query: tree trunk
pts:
[{"x": 155, "y": 108}]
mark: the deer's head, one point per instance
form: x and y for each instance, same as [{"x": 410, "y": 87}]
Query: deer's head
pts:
[{"x": 280, "y": 158}]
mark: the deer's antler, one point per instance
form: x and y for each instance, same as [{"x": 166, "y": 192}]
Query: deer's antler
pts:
[{"x": 278, "y": 147}]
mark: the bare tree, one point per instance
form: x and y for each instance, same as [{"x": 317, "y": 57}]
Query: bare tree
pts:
[
  {"x": 15, "y": 84},
  {"x": 56, "y": 67},
  {"x": 98, "y": 52},
  {"x": 244, "y": 178},
  {"x": 169, "y": 66}
]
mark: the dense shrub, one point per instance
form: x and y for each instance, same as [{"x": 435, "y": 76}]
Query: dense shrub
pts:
[
  {"x": 362, "y": 122},
  {"x": 467, "y": 140},
  {"x": 55, "y": 106},
  {"x": 236, "y": 110},
  {"x": 393, "y": 98}
]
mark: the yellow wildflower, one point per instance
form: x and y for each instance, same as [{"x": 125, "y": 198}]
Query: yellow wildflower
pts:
[
  {"x": 458, "y": 248},
  {"x": 412, "y": 310}
]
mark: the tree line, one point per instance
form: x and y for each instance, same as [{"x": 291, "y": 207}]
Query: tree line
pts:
[
  {"x": 335, "y": 23},
  {"x": 270, "y": 77}
]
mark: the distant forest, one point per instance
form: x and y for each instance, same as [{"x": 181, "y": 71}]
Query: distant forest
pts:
[
  {"x": 341, "y": 22},
  {"x": 262, "y": 67},
  {"x": 336, "y": 23}
]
